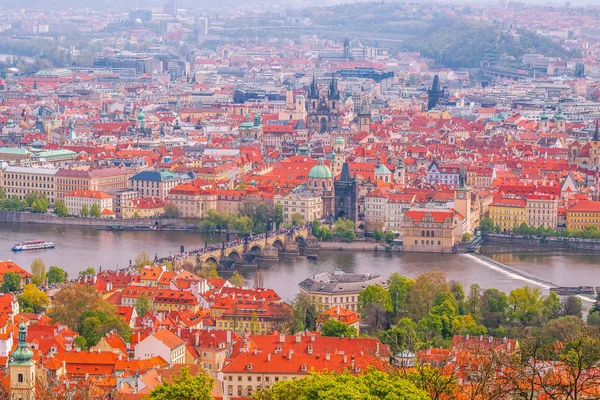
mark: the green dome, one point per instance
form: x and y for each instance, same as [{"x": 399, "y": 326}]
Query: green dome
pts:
[
  {"x": 339, "y": 140},
  {"x": 320, "y": 171},
  {"x": 22, "y": 354},
  {"x": 382, "y": 170}
]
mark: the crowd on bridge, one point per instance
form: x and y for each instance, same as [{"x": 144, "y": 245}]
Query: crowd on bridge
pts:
[{"x": 231, "y": 243}]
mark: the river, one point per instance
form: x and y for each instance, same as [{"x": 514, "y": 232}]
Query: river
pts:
[{"x": 80, "y": 247}]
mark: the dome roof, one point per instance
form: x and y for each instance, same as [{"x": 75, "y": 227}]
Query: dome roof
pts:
[
  {"x": 22, "y": 354},
  {"x": 320, "y": 171},
  {"x": 339, "y": 140},
  {"x": 382, "y": 170}
]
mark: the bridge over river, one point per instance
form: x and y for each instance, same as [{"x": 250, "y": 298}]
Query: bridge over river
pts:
[{"x": 248, "y": 249}]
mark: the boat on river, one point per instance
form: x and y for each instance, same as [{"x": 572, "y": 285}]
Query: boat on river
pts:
[{"x": 33, "y": 245}]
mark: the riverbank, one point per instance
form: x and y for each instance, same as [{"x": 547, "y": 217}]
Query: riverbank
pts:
[
  {"x": 52, "y": 219},
  {"x": 358, "y": 246}
]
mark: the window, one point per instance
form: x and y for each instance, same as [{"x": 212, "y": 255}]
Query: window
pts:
[{"x": 20, "y": 378}]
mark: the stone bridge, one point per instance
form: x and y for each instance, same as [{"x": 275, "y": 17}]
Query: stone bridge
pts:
[{"x": 289, "y": 241}]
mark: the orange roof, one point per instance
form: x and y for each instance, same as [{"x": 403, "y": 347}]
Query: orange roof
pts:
[
  {"x": 170, "y": 339},
  {"x": 9, "y": 266},
  {"x": 88, "y": 194}
]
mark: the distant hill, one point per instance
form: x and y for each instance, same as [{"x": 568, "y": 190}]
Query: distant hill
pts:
[{"x": 458, "y": 43}]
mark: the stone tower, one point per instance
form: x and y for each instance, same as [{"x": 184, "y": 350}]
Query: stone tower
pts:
[
  {"x": 22, "y": 369},
  {"x": 345, "y": 195},
  {"x": 399, "y": 173},
  {"x": 462, "y": 198},
  {"x": 595, "y": 148},
  {"x": 339, "y": 156}
]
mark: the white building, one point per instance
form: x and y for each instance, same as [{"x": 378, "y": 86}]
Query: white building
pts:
[
  {"x": 163, "y": 343},
  {"x": 76, "y": 199}
]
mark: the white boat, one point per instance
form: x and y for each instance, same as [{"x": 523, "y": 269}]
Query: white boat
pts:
[{"x": 33, "y": 245}]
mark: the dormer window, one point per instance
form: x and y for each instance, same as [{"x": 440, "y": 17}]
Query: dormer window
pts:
[{"x": 249, "y": 367}]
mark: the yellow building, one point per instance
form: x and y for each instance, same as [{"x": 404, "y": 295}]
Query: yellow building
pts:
[
  {"x": 432, "y": 230},
  {"x": 303, "y": 201},
  {"x": 255, "y": 317},
  {"x": 583, "y": 215},
  {"x": 20, "y": 181},
  {"x": 192, "y": 202},
  {"x": 169, "y": 300},
  {"x": 508, "y": 213},
  {"x": 145, "y": 207}
]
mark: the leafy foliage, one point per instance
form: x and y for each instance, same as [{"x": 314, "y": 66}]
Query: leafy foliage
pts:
[
  {"x": 11, "y": 282},
  {"x": 333, "y": 327},
  {"x": 56, "y": 275},
  {"x": 32, "y": 299},
  {"x": 38, "y": 271},
  {"x": 184, "y": 386}
]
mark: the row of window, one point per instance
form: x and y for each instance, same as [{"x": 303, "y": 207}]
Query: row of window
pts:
[{"x": 428, "y": 242}]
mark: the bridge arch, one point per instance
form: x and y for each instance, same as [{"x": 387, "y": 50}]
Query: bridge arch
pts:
[
  {"x": 212, "y": 260},
  {"x": 235, "y": 256},
  {"x": 256, "y": 249},
  {"x": 278, "y": 243},
  {"x": 300, "y": 241}
]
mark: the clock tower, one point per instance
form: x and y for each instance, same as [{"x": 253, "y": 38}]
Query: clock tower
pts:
[{"x": 462, "y": 198}]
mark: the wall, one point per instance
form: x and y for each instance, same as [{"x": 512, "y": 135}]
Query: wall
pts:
[{"x": 26, "y": 217}]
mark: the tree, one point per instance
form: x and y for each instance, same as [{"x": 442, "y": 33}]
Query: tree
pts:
[
  {"x": 11, "y": 282},
  {"x": 73, "y": 300},
  {"x": 486, "y": 225},
  {"x": 184, "y": 386},
  {"x": 142, "y": 304},
  {"x": 277, "y": 215},
  {"x": 90, "y": 271},
  {"x": 95, "y": 211},
  {"x": 372, "y": 385},
  {"x": 378, "y": 234},
  {"x": 315, "y": 228},
  {"x": 439, "y": 383},
  {"x": 572, "y": 305},
  {"x": 344, "y": 230},
  {"x": 38, "y": 270},
  {"x": 56, "y": 275},
  {"x": 84, "y": 211},
  {"x": 525, "y": 304},
  {"x": 466, "y": 237},
  {"x": 171, "y": 211},
  {"x": 80, "y": 342},
  {"x": 136, "y": 214},
  {"x": 474, "y": 301},
  {"x": 237, "y": 280},
  {"x": 142, "y": 259},
  {"x": 13, "y": 204},
  {"x": 326, "y": 233},
  {"x": 94, "y": 324},
  {"x": 398, "y": 287},
  {"x": 333, "y": 327},
  {"x": 40, "y": 205},
  {"x": 209, "y": 272},
  {"x": 297, "y": 219},
  {"x": 421, "y": 295},
  {"x": 32, "y": 299},
  {"x": 304, "y": 312},
  {"x": 375, "y": 294},
  {"x": 389, "y": 237},
  {"x": 495, "y": 307},
  {"x": 60, "y": 208},
  {"x": 401, "y": 337}
]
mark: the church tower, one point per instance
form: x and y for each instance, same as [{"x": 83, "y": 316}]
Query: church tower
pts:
[
  {"x": 544, "y": 120},
  {"x": 561, "y": 123},
  {"x": 462, "y": 198},
  {"x": 339, "y": 156},
  {"x": 595, "y": 148},
  {"x": 364, "y": 118},
  {"x": 22, "y": 369},
  {"x": 399, "y": 173}
]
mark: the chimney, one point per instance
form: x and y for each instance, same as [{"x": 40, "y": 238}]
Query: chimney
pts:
[
  {"x": 179, "y": 332},
  {"x": 196, "y": 338},
  {"x": 228, "y": 336},
  {"x": 467, "y": 337},
  {"x": 345, "y": 359},
  {"x": 269, "y": 357},
  {"x": 312, "y": 338},
  {"x": 98, "y": 350},
  {"x": 139, "y": 336},
  {"x": 337, "y": 310},
  {"x": 298, "y": 338},
  {"x": 481, "y": 338},
  {"x": 281, "y": 338},
  {"x": 120, "y": 356},
  {"x": 290, "y": 354},
  {"x": 490, "y": 339},
  {"x": 327, "y": 356},
  {"x": 377, "y": 349}
]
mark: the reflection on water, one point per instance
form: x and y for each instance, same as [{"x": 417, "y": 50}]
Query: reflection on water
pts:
[{"x": 81, "y": 247}]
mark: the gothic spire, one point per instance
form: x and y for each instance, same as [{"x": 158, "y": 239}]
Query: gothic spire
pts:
[{"x": 596, "y": 137}]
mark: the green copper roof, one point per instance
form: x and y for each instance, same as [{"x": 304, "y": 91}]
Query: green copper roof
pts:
[
  {"x": 382, "y": 170},
  {"x": 22, "y": 354},
  {"x": 339, "y": 140},
  {"x": 320, "y": 171}
]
